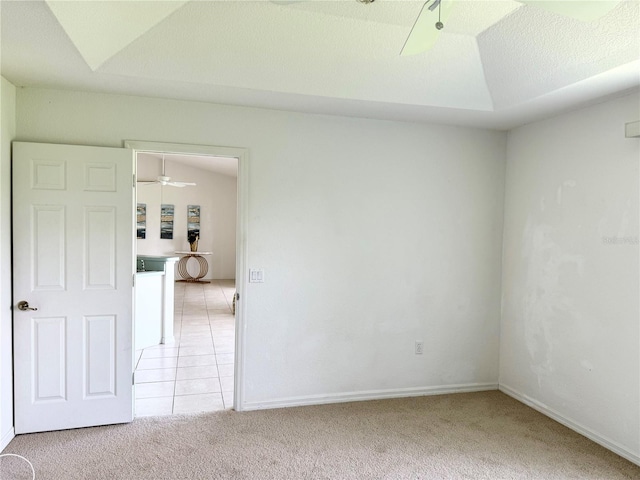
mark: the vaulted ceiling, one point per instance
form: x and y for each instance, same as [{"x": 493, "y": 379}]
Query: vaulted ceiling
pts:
[
  {"x": 496, "y": 63},
  {"x": 221, "y": 165}
]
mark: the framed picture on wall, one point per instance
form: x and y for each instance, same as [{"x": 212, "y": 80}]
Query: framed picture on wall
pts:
[
  {"x": 193, "y": 221},
  {"x": 141, "y": 220},
  {"x": 166, "y": 221}
]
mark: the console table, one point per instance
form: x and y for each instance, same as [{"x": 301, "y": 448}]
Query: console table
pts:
[{"x": 203, "y": 266}]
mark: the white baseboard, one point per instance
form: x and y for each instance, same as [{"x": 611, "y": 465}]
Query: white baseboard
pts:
[
  {"x": 573, "y": 425},
  {"x": 367, "y": 395},
  {"x": 6, "y": 438}
]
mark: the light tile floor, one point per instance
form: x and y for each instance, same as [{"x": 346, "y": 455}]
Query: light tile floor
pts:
[{"x": 195, "y": 373}]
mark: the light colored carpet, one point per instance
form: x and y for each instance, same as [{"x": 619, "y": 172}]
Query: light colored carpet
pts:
[{"x": 464, "y": 436}]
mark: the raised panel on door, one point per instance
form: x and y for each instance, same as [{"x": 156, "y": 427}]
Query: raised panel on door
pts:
[
  {"x": 99, "y": 270},
  {"x": 48, "y": 247},
  {"x": 49, "y": 374},
  {"x": 48, "y": 174},
  {"x": 100, "y": 177},
  {"x": 100, "y": 356}
]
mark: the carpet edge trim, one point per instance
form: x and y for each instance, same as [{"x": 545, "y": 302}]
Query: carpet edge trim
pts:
[
  {"x": 601, "y": 440},
  {"x": 368, "y": 395},
  {"x": 6, "y": 438}
]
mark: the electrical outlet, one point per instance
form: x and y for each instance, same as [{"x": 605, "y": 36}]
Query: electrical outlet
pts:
[{"x": 419, "y": 347}]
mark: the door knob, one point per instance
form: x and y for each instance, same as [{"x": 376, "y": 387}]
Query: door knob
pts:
[{"x": 24, "y": 306}]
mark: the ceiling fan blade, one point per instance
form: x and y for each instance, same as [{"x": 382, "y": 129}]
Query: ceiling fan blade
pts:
[
  {"x": 181, "y": 184},
  {"x": 585, "y": 10},
  {"x": 424, "y": 33},
  {"x": 147, "y": 182}
]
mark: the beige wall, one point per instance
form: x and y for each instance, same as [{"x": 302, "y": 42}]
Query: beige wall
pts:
[
  {"x": 372, "y": 235},
  {"x": 7, "y": 133},
  {"x": 570, "y": 331}
]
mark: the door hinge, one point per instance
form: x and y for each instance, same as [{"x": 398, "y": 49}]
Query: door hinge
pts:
[
  {"x": 134, "y": 180},
  {"x": 134, "y": 280},
  {"x": 133, "y": 378},
  {"x": 237, "y": 297}
]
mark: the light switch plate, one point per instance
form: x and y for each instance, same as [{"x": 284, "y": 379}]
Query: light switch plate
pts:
[{"x": 256, "y": 276}]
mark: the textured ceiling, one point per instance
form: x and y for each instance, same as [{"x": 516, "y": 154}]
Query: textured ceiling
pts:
[
  {"x": 566, "y": 51},
  {"x": 496, "y": 63},
  {"x": 99, "y": 30}
]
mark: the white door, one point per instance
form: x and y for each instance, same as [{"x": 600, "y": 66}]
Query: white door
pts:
[{"x": 73, "y": 261}]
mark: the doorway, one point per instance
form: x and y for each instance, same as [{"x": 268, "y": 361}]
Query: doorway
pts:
[{"x": 194, "y": 371}]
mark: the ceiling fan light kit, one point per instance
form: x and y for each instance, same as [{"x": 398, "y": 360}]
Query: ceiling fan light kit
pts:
[{"x": 426, "y": 29}]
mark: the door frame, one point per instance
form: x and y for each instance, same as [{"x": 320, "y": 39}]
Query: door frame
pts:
[{"x": 242, "y": 227}]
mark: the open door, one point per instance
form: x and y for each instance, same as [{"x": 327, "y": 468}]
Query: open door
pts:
[{"x": 72, "y": 277}]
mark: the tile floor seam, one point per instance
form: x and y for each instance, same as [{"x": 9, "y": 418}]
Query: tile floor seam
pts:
[{"x": 187, "y": 323}]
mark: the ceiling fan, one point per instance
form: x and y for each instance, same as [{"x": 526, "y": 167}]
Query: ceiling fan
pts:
[
  {"x": 426, "y": 29},
  {"x": 430, "y": 21},
  {"x": 164, "y": 180}
]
